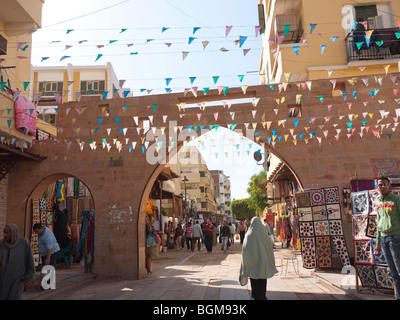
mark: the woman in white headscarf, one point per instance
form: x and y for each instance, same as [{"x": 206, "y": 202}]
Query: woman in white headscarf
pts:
[
  {"x": 258, "y": 260},
  {"x": 16, "y": 263}
]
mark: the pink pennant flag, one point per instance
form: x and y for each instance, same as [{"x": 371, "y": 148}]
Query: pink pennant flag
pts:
[
  {"x": 216, "y": 116},
  {"x": 199, "y": 116},
  {"x": 349, "y": 104},
  {"x": 227, "y": 30},
  {"x": 271, "y": 42},
  {"x": 395, "y": 91},
  {"x": 220, "y": 88},
  {"x": 329, "y": 107},
  {"x": 257, "y": 29}
]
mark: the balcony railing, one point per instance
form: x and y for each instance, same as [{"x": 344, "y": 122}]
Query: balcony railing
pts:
[{"x": 382, "y": 44}]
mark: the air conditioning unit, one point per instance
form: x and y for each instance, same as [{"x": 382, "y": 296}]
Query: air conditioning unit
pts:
[
  {"x": 3, "y": 45},
  {"x": 294, "y": 32}
]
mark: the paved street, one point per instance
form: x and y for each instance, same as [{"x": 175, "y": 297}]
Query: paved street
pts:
[{"x": 187, "y": 275}]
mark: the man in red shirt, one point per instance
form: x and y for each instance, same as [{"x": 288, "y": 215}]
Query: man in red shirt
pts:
[{"x": 208, "y": 230}]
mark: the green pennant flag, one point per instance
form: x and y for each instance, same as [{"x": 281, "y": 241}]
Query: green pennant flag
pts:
[
  {"x": 26, "y": 84},
  {"x": 8, "y": 111},
  {"x": 215, "y": 78},
  {"x": 286, "y": 28},
  {"x": 205, "y": 90},
  {"x": 390, "y": 136},
  {"x": 241, "y": 77},
  {"x": 9, "y": 122},
  {"x": 154, "y": 107},
  {"x": 350, "y": 124},
  {"x": 216, "y": 127},
  {"x": 2, "y": 84},
  {"x": 321, "y": 98},
  {"x": 233, "y": 126},
  {"x": 225, "y": 90},
  {"x": 359, "y": 45},
  {"x": 98, "y": 57}
]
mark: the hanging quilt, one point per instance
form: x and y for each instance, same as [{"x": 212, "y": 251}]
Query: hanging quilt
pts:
[
  {"x": 372, "y": 269},
  {"x": 308, "y": 252},
  {"x": 324, "y": 253},
  {"x": 360, "y": 202},
  {"x": 367, "y": 275},
  {"x": 320, "y": 227},
  {"x": 303, "y": 199}
]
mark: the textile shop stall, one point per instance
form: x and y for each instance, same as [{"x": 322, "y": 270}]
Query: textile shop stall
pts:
[
  {"x": 67, "y": 209},
  {"x": 320, "y": 228},
  {"x": 371, "y": 269}
]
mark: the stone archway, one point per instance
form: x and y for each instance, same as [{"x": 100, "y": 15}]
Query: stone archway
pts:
[{"x": 104, "y": 143}]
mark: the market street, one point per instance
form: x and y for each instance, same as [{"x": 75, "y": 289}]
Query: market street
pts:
[{"x": 187, "y": 275}]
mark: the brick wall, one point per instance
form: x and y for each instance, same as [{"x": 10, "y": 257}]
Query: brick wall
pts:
[{"x": 120, "y": 180}]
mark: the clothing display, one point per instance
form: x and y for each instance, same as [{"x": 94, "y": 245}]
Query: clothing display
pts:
[
  {"x": 320, "y": 227},
  {"x": 73, "y": 196},
  {"x": 372, "y": 269}
]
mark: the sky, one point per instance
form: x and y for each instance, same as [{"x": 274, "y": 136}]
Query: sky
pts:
[{"x": 164, "y": 46}]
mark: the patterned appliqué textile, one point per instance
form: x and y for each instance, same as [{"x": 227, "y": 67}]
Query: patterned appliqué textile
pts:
[
  {"x": 360, "y": 202},
  {"x": 321, "y": 228},
  {"x": 319, "y": 212},
  {"x": 362, "y": 252},
  {"x": 333, "y": 211},
  {"x": 377, "y": 258},
  {"x": 317, "y": 197},
  {"x": 372, "y": 268},
  {"x": 324, "y": 252},
  {"x": 341, "y": 249},
  {"x": 308, "y": 252},
  {"x": 366, "y": 275},
  {"x": 305, "y": 214},
  {"x": 306, "y": 229},
  {"x": 383, "y": 278},
  {"x": 335, "y": 227},
  {"x": 303, "y": 199},
  {"x": 371, "y": 226},
  {"x": 331, "y": 195},
  {"x": 360, "y": 226}
]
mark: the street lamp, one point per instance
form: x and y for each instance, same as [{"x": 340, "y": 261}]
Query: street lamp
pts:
[{"x": 184, "y": 180}]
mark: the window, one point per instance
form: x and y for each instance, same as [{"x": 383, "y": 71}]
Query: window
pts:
[
  {"x": 369, "y": 14},
  {"x": 49, "y": 118},
  {"x": 92, "y": 87},
  {"x": 202, "y": 174},
  {"x": 49, "y": 88}
]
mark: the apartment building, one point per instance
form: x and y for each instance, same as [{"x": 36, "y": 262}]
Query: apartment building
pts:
[
  {"x": 56, "y": 84},
  {"x": 313, "y": 39}
]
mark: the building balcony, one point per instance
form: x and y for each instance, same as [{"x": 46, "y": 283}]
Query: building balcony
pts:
[
  {"x": 383, "y": 44},
  {"x": 20, "y": 16}
]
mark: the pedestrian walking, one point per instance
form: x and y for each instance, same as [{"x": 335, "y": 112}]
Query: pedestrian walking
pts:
[
  {"x": 258, "y": 260},
  {"x": 388, "y": 229},
  {"x": 178, "y": 237},
  {"x": 208, "y": 230},
  {"x": 197, "y": 235},
  {"x": 232, "y": 231},
  {"x": 225, "y": 235},
  {"x": 16, "y": 263},
  {"x": 189, "y": 236},
  {"x": 47, "y": 243},
  {"x": 242, "y": 231}
]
